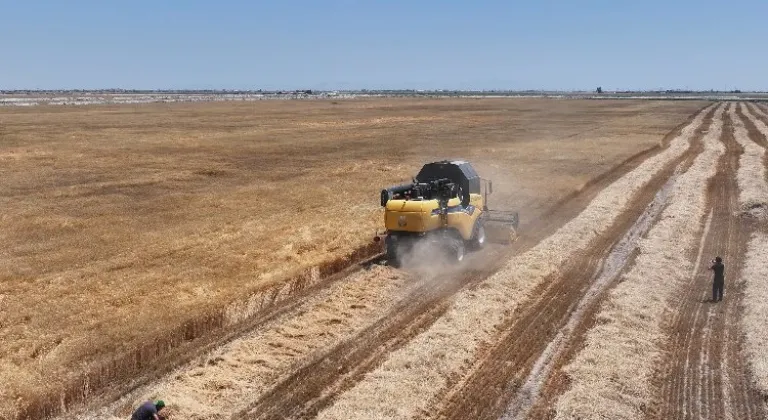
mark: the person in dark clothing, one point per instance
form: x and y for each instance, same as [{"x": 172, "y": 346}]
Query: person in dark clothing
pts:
[
  {"x": 149, "y": 411},
  {"x": 718, "y": 284}
]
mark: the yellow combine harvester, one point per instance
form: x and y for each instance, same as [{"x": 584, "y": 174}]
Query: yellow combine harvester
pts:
[{"x": 446, "y": 205}]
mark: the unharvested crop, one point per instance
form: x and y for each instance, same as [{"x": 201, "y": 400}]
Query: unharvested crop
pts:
[
  {"x": 611, "y": 376},
  {"x": 396, "y": 389}
]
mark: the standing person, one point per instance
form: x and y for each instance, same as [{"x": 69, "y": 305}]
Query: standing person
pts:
[
  {"x": 149, "y": 411},
  {"x": 718, "y": 283}
]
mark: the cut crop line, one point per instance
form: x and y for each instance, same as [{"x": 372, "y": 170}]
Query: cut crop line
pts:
[
  {"x": 234, "y": 374},
  {"x": 609, "y": 269},
  {"x": 611, "y": 377},
  {"x": 109, "y": 379},
  {"x": 396, "y": 389}
]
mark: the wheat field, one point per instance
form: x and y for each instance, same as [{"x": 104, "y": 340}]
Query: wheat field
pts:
[{"x": 120, "y": 222}]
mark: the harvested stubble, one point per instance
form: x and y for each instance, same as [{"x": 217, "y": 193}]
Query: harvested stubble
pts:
[
  {"x": 759, "y": 124},
  {"x": 759, "y": 110},
  {"x": 754, "y": 275},
  {"x": 397, "y": 388},
  {"x": 220, "y": 383},
  {"x": 185, "y": 208},
  {"x": 751, "y": 176},
  {"x": 611, "y": 376}
]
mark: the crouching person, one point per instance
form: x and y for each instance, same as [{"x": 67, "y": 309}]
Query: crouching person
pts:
[{"x": 149, "y": 411}]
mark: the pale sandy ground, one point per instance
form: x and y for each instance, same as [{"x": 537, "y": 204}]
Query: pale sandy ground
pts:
[
  {"x": 397, "y": 388},
  {"x": 611, "y": 376}
]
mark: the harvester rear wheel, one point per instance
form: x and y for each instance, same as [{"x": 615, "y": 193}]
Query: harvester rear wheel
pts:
[{"x": 457, "y": 249}]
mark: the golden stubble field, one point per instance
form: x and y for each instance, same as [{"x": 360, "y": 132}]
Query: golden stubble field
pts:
[{"x": 120, "y": 222}]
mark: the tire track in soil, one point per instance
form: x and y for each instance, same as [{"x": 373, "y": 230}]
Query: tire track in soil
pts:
[
  {"x": 754, "y": 133},
  {"x": 503, "y": 368},
  {"x": 751, "y": 120},
  {"x": 760, "y": 109},
  {"x": 273, "y": 310},
  {"x": 558, "y": 381},
  {"x": 704, "y": 375},
  {"x": 566, "y": 208},
  {"x": 315, "y": 386}
]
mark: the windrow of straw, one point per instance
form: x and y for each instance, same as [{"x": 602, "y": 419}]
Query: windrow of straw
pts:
[
  {"x": 759, "y": 124},
  {"x": 753, "y": 190},
  {"x": 411, "y": 377},
  {"x": 611, "y": 377},
  {"x": 755, "y": 320},
  {"x": 241, "y": 371},
  {"x": 754, "y": 273}
]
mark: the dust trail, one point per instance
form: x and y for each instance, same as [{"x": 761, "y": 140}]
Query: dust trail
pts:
[
  {"x": 753, "y": 191},
  {"x": 611, "y": 377},
  {"x": 445, "y": 351},
  {"x": 611, "y": 267}
]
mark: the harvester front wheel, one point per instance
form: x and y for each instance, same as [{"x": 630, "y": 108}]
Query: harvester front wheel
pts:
[
  {"x": 457, "y": 249},
  {"x": 393, "y": 254}
]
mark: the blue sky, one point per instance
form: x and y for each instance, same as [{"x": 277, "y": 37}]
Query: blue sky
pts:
[{"x": 349, "y": 44}]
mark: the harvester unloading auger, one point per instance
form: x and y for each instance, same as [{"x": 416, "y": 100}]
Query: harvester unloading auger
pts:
[{"x": 445, "y": 205}]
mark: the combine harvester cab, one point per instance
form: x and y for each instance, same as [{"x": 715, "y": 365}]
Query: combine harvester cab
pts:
[{"x": 445, "y": 207}]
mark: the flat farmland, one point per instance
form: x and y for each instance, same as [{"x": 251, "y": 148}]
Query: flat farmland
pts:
[{"x": 138, "y": 240}]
